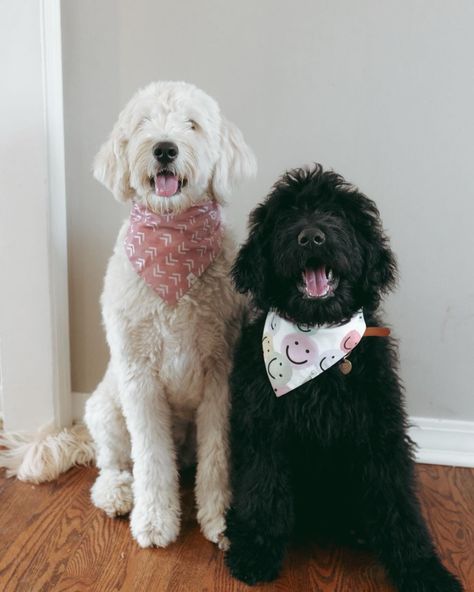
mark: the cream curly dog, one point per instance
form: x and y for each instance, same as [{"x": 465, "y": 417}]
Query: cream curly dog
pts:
[{"x": 170, "y": 150}]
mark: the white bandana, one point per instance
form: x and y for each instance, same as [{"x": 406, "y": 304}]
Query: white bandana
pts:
[{"x": 296, "y": 353}]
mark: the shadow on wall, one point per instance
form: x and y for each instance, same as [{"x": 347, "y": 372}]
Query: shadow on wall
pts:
[{"x": 91, "y": 56}]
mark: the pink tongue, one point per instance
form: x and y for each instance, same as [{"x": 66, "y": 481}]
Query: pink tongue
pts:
[
  {"x": 316, "y": 282},
  {"x": 166, "y": 185}
]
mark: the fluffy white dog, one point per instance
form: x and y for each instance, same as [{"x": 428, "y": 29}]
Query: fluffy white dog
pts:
[{"x": 170, "y": 150}]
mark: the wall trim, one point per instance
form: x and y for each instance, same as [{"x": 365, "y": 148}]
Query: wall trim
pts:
[
  {"x": 57, "y": 222},
  {"x": 443, "y": 441},
  {"x": 439, "y": 441}
]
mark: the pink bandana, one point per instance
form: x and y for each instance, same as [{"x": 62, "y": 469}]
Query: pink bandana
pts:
[{"x": 171, "y": 251}]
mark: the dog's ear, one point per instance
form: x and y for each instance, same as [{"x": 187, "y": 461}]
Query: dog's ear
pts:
[
  {"x": 249, "y": 267},
  {"x": 236, "y": 161},
  {"x": 380, "y": 273},
  {"x": 111, "y": 164}
]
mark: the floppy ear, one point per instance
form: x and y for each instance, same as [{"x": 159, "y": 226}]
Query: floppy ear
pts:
[
  {"x": 381, "y": 273},
  {"x": 111, "y": 163},
  {"x": 236, "y": 161},
  {"x": 248, "y": 269},
  {"x": 380, "y": 262}
]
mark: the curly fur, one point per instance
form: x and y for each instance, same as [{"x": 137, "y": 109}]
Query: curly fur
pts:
[
  {"x": 167, "y": 378},
  {"x": 332, "y": 457}
]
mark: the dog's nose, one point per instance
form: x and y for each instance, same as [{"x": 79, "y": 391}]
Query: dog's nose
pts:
[
  {"x": 165, "y": 152},
  {"x": 311, "y": 236}
]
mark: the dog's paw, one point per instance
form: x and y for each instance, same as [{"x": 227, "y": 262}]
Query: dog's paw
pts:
[
  {"x": 429, "y": 575},
  {"x": 112, "y": 492},
  {"x": 153, "y": 527},
  {"x": 223, "y": 542},
  {"x": 253, "y": 564},
  {"x": 212, "y": 526}
]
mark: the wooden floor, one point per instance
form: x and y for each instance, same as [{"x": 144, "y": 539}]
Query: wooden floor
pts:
[{"x": 53, "y": 539}]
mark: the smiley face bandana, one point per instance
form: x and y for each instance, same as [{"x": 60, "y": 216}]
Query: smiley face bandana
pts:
[{"x": 295, "y": 353}]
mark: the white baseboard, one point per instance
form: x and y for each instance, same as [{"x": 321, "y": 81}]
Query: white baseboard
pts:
[
  {"x": 443, "y": 441},
  {"x": 439, "y": 441}
]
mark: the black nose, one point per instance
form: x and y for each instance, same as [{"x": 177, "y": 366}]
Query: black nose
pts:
[
  {"x": 310, "y": 236},
  {"x": 165, "y": 152}
]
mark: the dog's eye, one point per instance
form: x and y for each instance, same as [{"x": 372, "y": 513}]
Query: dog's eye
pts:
[{"x": 192, "y": 124}]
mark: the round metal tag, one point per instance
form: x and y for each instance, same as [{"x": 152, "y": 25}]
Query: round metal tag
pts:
[{"x": 345, "y": 366}]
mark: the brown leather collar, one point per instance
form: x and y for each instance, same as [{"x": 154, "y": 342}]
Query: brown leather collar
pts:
[{"x": 377, "y": 332}]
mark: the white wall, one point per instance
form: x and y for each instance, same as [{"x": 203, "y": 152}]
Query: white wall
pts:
[{"x": 381, "y": 91}]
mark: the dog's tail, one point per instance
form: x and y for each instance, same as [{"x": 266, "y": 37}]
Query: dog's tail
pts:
[{"x": 45, "y": 455}]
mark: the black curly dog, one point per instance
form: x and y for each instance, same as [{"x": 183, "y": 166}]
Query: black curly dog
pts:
[{"x": 332, "y": 457}]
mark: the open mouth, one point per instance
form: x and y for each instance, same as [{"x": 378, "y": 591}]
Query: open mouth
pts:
[
  {"x": 319, "y": 282},
  {"x": 166, "y": 183}
]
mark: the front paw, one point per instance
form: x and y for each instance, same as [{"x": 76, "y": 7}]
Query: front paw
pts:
[
  {"x": 255, "y": 562},
  {"x": 112, "y": 492},
  {"x": 152, "y": 526},
  {"x": 429, "y": 575},
  {"x": 212, "y": 526}
]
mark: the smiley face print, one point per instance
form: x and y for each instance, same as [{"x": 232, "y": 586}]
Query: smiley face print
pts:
[
  {"x": 274, "y": 323},
  {"x": 267, "y": 346},
  {"x": 299, "y": 349},
  {"x": 350, "y": 340},
  {"x": 307, "y": 329},
  {"x": 278, "y": 370},
  {"x": 328, "y": 358}
]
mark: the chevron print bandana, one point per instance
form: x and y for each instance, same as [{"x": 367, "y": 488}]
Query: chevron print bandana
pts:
[
  {"x": 171, "y": 251},
  {"x": 294, "y": 354}
]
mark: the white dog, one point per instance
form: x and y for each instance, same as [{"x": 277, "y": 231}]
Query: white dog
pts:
[{"x": 170, "y": 151}]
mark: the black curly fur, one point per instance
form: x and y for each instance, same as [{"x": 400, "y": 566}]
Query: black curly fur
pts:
[{"x": 332, "y": 457}]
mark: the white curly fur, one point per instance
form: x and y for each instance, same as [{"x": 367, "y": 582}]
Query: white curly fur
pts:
[
  {"x": 169, "y": 364},
  {"x": 45, "y": 455}
]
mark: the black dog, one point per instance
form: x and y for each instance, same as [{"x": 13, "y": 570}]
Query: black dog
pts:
[{"x": 332, "y": 456}]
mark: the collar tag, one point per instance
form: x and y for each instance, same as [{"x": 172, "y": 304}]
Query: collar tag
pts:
[{"x": 345, "y": 366}]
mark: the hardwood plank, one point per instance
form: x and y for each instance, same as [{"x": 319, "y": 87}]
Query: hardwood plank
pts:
[
  {"x": 38, "y": 555},
  {"x": 447, "y": 498},
  {"x": 53, "y": 539}
]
